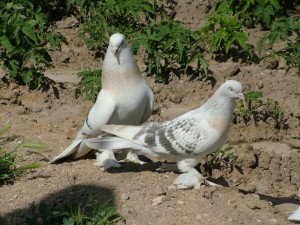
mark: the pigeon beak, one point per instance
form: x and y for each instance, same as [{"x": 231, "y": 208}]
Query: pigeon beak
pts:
[
  {"x": 115, "y": 50},
  {"x": 242, "y": 97}
]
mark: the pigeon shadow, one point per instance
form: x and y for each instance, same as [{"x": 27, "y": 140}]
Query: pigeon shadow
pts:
[
  {"x": 125, "y": 166},
  {"x": 134, "y": 167},
  {"x": 73, "y": 195},
  {"x": 154, "y": 167},
  {"x": 219, "y": 181},
  {"x": 274, "y": 200},
  {"x": 280, "y": 200}
]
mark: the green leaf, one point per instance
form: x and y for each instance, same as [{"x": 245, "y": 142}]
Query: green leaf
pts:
[
  {"x": 13, "y": 67},
  {"x": 148, "y": 8},
  {"x": 34, "y": 145},
  {"x": 169, "y": 43},
  {"x": 28, "y": 166},
  {"x": 228, "y": 45},
  {"x": 180, "y": 49},
  {"x": 275, "y": 4},
  {"x": 266, "y": 18},
  {"x": 204, "y": 65},
  {"x": 6, "y": 43},
  {"x": 28, "y": 29},
  {"x": 18, "y": 7},
  {"x": 253, "y": 96},
  {"x": 9, "y": 5}
]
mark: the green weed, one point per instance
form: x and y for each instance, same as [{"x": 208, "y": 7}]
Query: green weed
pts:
[
  {"x": 224, "y": 31},
  {"x": 103, "y": 18},
  {"x": 282, "y": 30},
  {"x": 253, "y": 100},
  {"x": 224, "y": 156},
  {"x": 277, "y": 15},
  {"x": 11, "y": 166},
  {"x": 225, "y": 28},
  {"x": 252, "y": 12},
  {"x": 275, "y": 112},
  {"x": 266, "y": 11},
  {"x": 169, "y": 47},
  {"x": 24, "y": 35},
  {"x": 90, "y": 83},
  {"x": 259, "y": 110},
  {"x": 243, "y": 9},
  {"x": 93, "y": 213}
]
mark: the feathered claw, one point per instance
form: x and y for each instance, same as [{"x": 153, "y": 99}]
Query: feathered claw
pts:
[
  {"x": 190, "y": 179},
  {"x": 133, "y": 157},
  {"x": 107, "y": 160}
]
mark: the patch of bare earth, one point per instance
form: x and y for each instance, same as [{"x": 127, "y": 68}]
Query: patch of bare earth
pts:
[{"x": 261, "y": 189}]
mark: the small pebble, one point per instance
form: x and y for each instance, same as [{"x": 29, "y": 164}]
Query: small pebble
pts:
[
  {"x": 180, "y": 202},
  {"x": 158, "y": 200},
  {"x": 125, "y": 197}
]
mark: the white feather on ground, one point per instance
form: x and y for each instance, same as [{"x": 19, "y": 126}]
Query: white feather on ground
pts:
[
  {"x": 185, "y": 139},
  {"x": 295, "y": 216},
  {"x": 125, "y": 98}
]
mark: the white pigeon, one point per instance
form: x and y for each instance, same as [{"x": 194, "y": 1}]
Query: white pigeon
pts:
[
  {"x": 295, "y": 216},
  {"x": 185, "y": 139},
  {"x": 125, "y": 98}
]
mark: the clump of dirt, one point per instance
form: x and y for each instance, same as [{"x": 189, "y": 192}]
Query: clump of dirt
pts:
[{"x": 267, "y": 168}]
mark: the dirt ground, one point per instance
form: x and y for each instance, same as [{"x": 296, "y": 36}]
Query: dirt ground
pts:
[{"x": 261, "y": 189}]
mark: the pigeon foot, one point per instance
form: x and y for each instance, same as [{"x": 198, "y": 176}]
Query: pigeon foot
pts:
[
  {"x": 133, "y": 157},
  {"x": 190, "y": 179},
  {"x": 106, "y": 160}
]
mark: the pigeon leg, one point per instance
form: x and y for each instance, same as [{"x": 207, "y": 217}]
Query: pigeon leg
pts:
[
  {"x": 133, "y": 157},
  {"x": 190, "y": 177},
  {"x": 106, "y": 159}
]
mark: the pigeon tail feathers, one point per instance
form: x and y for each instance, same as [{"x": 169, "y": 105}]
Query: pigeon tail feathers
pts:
[{"x": 71, "y": 150}]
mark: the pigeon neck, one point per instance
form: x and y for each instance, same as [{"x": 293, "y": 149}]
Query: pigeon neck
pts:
[
  {"x": 218, "y": 113},
  {"x": 121, "y": 68},
  {"x": 122, "y": 58},
  {"x": 221, "y": 105}
]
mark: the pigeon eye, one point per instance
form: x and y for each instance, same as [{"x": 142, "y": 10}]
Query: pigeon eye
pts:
[{"x": 230, "y": 88}]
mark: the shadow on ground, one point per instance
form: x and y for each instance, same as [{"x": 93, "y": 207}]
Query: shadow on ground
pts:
[{"x": 77, "y": 194}]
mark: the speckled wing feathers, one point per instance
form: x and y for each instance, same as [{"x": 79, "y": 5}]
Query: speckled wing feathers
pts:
[
  {"x": 185, "y": 135},
  {"x": 179, "y": 137}
]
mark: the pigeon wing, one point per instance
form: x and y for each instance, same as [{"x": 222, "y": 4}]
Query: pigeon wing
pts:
[
  {"x": 178, "y": 137},
  {"x": 101, "y": 113}
]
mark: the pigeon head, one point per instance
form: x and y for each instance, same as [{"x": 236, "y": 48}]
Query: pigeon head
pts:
[
  {"x": 232, "y": 89},
  {"x": 117, "y": 42}
]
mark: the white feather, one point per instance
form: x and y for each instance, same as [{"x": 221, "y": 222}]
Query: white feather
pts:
[{"x": 295, "y": 216}]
